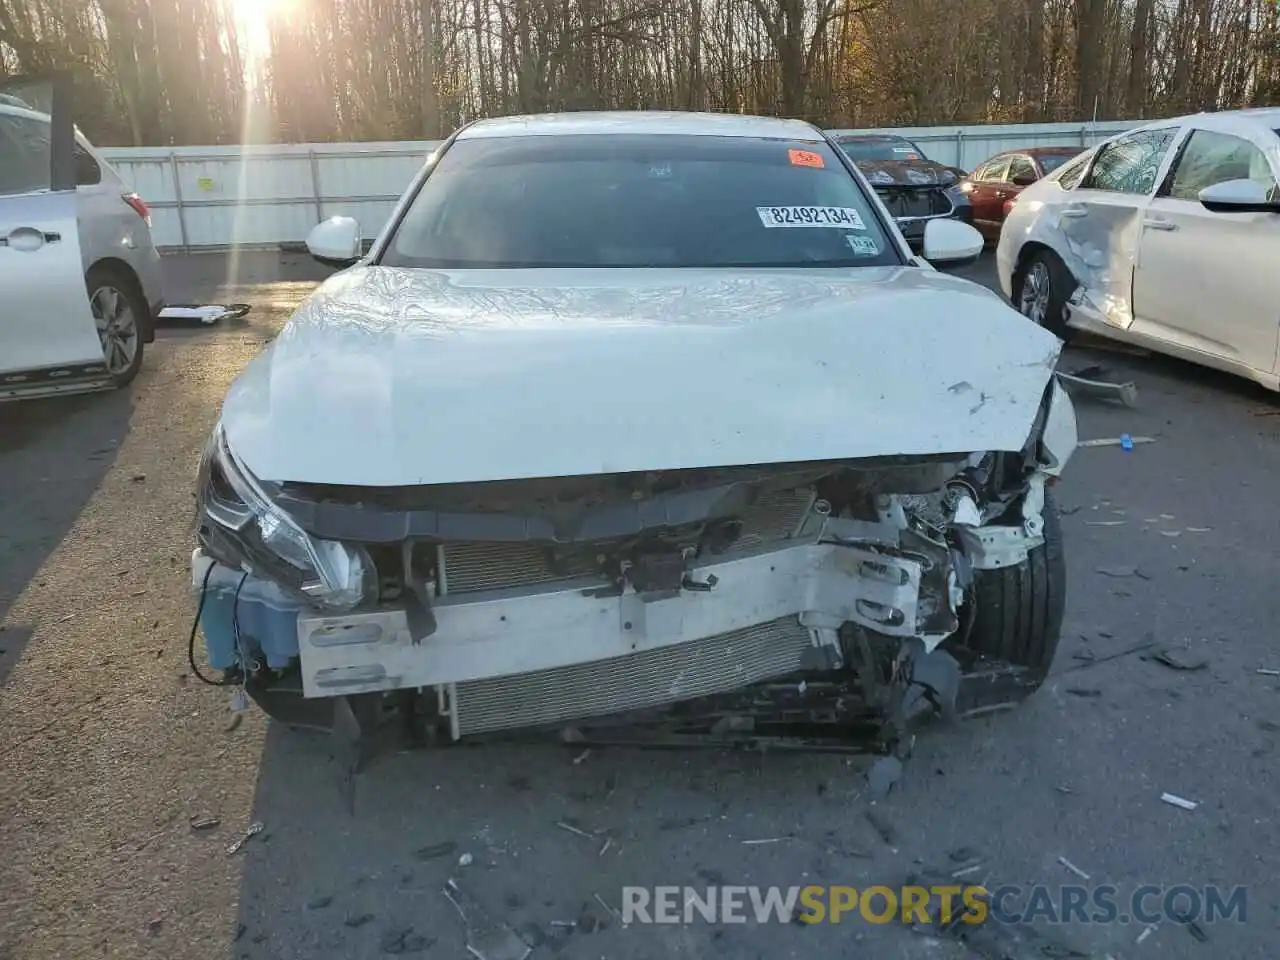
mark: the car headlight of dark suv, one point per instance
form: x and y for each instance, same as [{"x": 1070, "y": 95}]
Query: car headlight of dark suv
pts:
[{"x": 240, "y": 527}]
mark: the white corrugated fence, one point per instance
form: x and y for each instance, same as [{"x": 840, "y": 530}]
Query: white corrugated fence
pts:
[{"x": 213, "y": 197}]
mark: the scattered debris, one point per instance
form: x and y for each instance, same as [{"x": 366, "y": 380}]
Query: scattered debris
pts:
[
  {"x": 965, "y": 871},
  {"x": 577, "y": 761},
  {"x": 1121, "y": 573},
  {"x": 1144, "y": 934},
  {"x": 1268, "y": 673},
  {"x": 1073, "y": 868},
  {"x": 612, "y": 912},
  {"x": 1105, "y": 523},
  {"x": 356, "y": 920},
  {"x": 1193, "y": 928},
  {"x": 1170, "y": 533},
  {"x": 252, "y": 831},
  {"x": 206, "y": 314},
  {"x": 319, "y": 903},
  {"x": 1176, "y": 658},
  {"x": 153, "y": 926},
  {"x": 1119, "y": 441},
  {"x": 1084, "y": 691},
  {"x": 1147, "y": 643},
  {"x": 466, "y": 860},
  {"x": 199, "y": 822},
  {"x": 605, "y": 848},
  {"x": 1268, "y": 726},
  {"x": 1086, "y": 383},
  {"x": 234, "y": 722},
  {"x": 1178, "y": 801},
  {"x": 68, "y": 618},
  {"x": 961, "y": 854},
  {"x": 435, "y": 851},
  {"x": 1199, "y": 529},
  {"x": 754, "y": 843},
  {"x": 572, "y": 829},
  {"x": 883, "y": 826},
  {"x": 1063, "y": 788},
  {"x": 883, "y": 775},
  {"x": 487, "y": 937},
  {"x": 401, "y": 940}
]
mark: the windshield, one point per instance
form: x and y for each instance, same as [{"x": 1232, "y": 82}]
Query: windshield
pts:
[
  {"x": 613, "y": 200},
  {"x": 1052, "y": 161},
  {"x": 881, "y": 148}
]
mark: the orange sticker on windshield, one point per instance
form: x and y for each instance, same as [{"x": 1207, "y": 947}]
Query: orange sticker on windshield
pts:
[{"x": 806, "y": 158}]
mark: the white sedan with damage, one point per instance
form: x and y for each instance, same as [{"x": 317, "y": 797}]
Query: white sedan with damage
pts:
[
  {"x": 1165, "y": 237},
  {"x": 627, "y": 416}
]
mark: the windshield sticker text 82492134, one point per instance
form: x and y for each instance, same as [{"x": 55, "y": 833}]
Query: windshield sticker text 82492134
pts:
[{"x": 844, "y": 218}]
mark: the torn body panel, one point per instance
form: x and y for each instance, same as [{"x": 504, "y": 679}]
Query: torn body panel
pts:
[{"x": 1098, "y": 239}]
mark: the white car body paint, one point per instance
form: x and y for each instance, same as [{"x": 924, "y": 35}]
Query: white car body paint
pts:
[
  {"x": 399, "y": 377},
  {"x": 1161, "y": 272}
]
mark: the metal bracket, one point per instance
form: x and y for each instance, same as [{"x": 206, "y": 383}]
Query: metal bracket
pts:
[{"x": 993, "y": 548}]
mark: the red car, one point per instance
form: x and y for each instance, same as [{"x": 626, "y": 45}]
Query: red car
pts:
[{"x": 994, "y": 185}]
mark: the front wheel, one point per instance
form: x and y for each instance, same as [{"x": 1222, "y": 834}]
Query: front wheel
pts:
[
  {"x": 1018, "y": 609},
  {"x": 1041, "y": 292},
  {"x": 118, "y": 309}
]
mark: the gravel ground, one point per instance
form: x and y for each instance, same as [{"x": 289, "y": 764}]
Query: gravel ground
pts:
[{"x": 108, "y": 747}]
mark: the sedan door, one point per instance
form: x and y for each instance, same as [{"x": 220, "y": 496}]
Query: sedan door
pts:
[
  {"x": 1207, "y": 282},
  {"x": 983, "y": 191},
  {"x": 1099, "y": 225},
  {"x": 48, "y": 339}
]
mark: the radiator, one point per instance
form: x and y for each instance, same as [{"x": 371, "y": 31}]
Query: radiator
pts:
[{"x": 635, "y": 681}]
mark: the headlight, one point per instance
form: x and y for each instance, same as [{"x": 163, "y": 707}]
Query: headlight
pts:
[{"x": 247, "y": 530}]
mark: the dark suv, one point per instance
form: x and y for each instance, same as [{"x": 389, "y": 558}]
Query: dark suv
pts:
[{"x": 914, "y": 188}]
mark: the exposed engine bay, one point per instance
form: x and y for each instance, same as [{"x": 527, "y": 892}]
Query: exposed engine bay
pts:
[{"x": 685, "y": 601}]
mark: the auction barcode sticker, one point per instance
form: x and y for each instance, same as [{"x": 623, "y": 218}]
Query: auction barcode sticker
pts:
[{"x": 845, "y": 218}]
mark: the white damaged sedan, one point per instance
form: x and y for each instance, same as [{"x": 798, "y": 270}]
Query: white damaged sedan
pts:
[{"x": 627, "y": 417}]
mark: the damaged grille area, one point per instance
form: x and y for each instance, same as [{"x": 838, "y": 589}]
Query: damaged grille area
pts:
[
  {"x": 472, "y": 566},
  {"x": 636, "y": 681}
]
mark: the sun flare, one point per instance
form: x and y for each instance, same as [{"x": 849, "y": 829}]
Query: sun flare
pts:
[{"x": 253, "y": 24}]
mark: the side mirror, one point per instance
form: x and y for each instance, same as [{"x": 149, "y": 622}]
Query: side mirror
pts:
[
  {"x": 1240, "y": 196},
  {"x": 335, "y": 242},
  {"x": 1023, "y": 180},
  {"x": 950, "y": 243}
]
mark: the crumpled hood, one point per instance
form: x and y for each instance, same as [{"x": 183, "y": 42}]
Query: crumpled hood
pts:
[
  {"x": 908, "y": 173},
  {"x": 396, "y": 377}
]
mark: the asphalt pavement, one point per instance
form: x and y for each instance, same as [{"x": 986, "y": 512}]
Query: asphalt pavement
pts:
[{"x": 110, "y": 749}]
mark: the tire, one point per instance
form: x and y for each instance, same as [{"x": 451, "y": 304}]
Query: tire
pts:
[
  {"x": 1049, "y": 309},
  {"x": 120, "y": 313},
  {"x": 1018, "y": 610}
]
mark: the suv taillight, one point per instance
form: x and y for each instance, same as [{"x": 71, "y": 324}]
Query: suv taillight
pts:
[{"x": 139, "y": 206}]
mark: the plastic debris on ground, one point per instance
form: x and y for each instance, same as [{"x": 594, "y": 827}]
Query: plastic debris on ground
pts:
[
  {"x": 487, "y": 938},
  {"x": 1177, "y": 801},
  {"x": 252, "y": 831},
  {"x": 1178, "y": 658},
  {"x": 1124, "y": 441},
  {"x": 206, "y": 314},
  {"x": 1089, "y": 382}
]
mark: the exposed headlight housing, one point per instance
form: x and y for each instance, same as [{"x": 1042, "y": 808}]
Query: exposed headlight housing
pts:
[{"x": 242, "y": 528}]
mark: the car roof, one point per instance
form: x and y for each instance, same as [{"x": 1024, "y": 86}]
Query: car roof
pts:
[
  {"x": 1224, "y": 120},
  {"x": 642, "y": 122}
]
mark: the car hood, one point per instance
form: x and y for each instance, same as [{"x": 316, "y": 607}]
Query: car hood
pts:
[
  {"x": 397, "y": 377},
  {"x": 908, "y": 173}
]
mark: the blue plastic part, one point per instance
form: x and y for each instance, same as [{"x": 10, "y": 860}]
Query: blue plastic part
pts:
[
  {"x": 267, "y": 618},
  {"x": 1126, "y": 441}
]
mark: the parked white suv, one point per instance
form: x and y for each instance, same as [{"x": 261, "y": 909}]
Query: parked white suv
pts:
[{"x": 79, "y": 273}]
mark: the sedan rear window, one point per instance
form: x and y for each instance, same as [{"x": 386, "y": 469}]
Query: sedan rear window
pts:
[
  {"x": 639, "y": 201},
  {"x": 1052, "y": 161}
]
